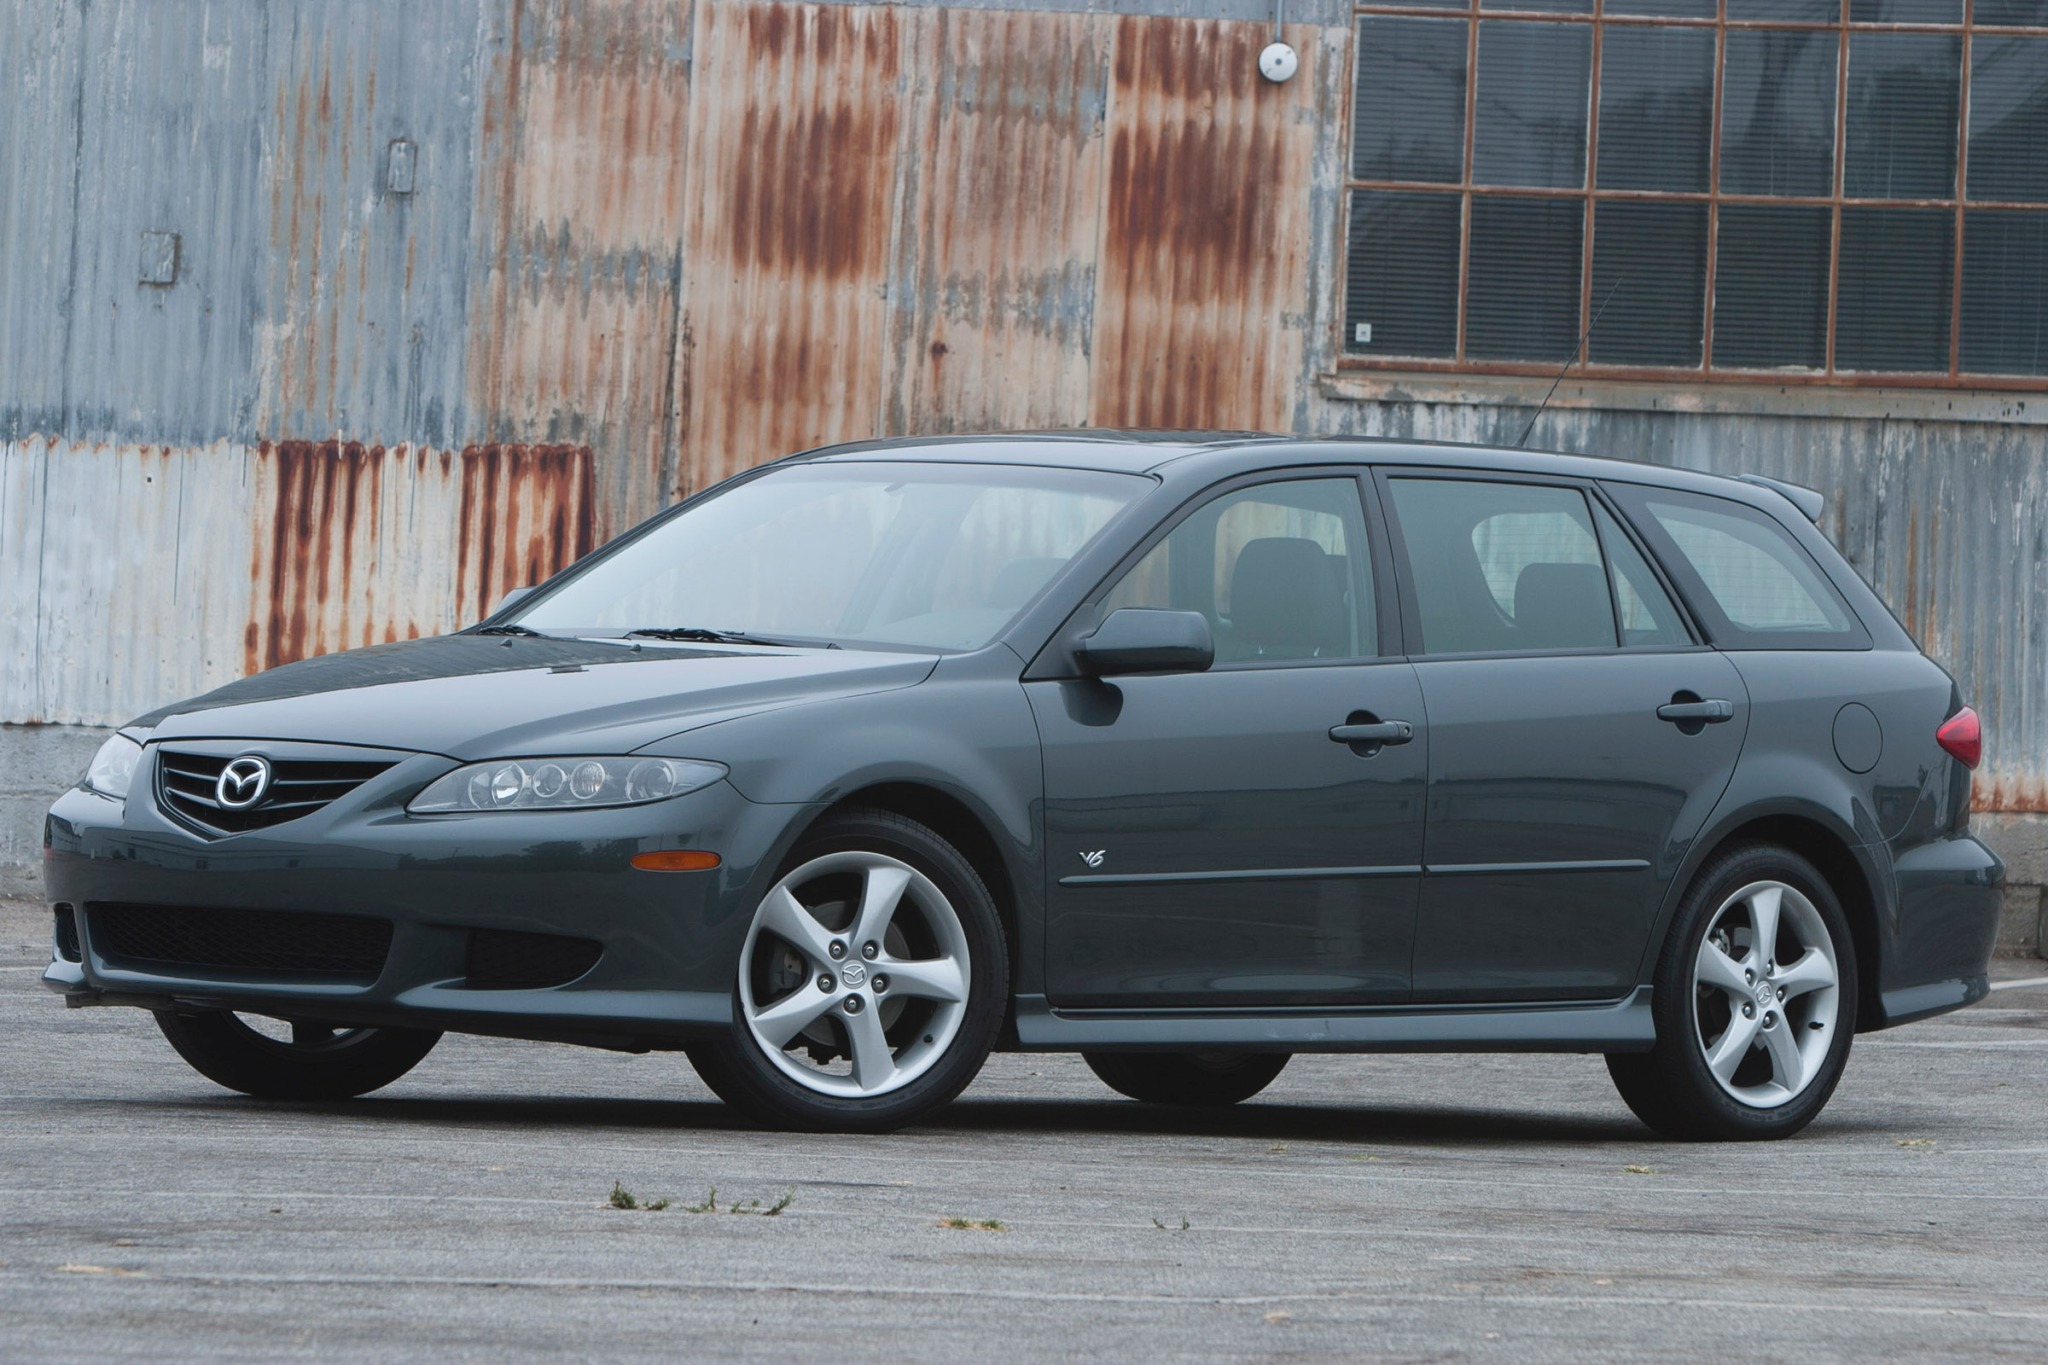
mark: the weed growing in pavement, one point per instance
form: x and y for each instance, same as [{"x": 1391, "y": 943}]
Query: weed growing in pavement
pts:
[
  {"x": 981, "y": 1224},
  {"x": 1915, "y": 1142},
  {"x": 623, "y": 1198},
  {"x": 1639, "y": 1170},
  {"x": 752, "y": 1206}
]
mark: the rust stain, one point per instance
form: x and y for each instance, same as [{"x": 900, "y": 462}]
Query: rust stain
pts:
[
  {"x": 1205, "y": 228},
  {"x": 794, "y": 134},
  {"x": 471, "y": 525}
]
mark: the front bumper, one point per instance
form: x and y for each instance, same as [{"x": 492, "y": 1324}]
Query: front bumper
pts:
[{"x": 669, "y": 940}]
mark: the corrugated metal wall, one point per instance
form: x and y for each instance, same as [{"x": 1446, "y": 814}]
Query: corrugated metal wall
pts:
[{"x": 464, "y": 287}]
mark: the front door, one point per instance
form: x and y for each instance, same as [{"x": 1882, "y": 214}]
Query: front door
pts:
[
  {"x": 1209, "y": 843},
  {"x": 1579, "y": 738}
]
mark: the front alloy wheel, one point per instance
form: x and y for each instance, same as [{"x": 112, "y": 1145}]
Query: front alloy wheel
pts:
[
  {"x": 870, "y": 984},
  {"x": 1754, "y": 1000}
]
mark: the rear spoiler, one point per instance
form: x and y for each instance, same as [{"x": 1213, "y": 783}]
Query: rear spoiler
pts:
[{"x": 1809, "y": 501}]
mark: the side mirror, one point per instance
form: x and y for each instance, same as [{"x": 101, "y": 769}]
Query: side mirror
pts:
[
  {"x": 1148, "y": 640},
  {"x": 509, "y": 598}
]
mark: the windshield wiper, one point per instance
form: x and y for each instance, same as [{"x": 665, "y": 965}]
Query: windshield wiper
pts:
[
  {"x": 707, "y": 635},
  {"x": 510, "y": 630}
]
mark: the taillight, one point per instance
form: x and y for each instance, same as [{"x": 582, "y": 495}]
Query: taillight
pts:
[{"x": 1962, "y": 737}]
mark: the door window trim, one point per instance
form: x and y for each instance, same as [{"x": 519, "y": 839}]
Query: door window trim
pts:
[
  {"x": 1057, "y": 659},
  {"x": 1595, "y": 494}
]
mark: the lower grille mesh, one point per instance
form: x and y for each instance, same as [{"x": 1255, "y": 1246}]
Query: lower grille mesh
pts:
[
  {"x": 504, "y": 961},
  {"x": 282, "y": 942}
]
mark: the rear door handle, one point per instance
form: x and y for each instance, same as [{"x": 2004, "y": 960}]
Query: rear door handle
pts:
[
  {"x": 1379, "y": 732},
  {"x": 1712, "y": 711}
]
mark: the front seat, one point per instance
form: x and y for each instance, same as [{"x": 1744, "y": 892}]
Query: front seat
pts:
[
  {"x": 1286, "y": 602},
  {"x": 1563, "y": 606}
]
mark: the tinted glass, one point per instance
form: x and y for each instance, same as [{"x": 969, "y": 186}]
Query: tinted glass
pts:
[
  {"x": 1649, "y": 283},
  {"x": 2033, "y": 12},
  {"x": 2008, "y": 118},
  {"x": 1648, "y": 618},
  {"x": 1778, "y": 113},
  {"x": 1500, "y": 566},
  {"x": 1892, "y": 309},
  {"x": 1656, "y": 108},
  {"x": 1535, "y": 85},
  {"x": 1408, "y": 115},
  {"x": 1667, "y": 9},
  {"x": 1522, "y": 302},
  {"x": 2005, "y": 293},
  {"x": 931, "y": 555},
  {"x": 1281, "y": 571},
  {"x": 1771, "y": 286},
  {"x": 1756, "y": 574},
  {"x": 1787, "y": 11},
  {"x": 1403, "y": 274},
  {"x": 1904, "y": 89},
  {"x": 1541, "y": 6},
  {"x": 1905, "y": 11}
]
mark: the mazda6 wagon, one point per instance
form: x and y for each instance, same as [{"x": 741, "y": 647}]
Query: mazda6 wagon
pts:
[{"x": 1184, "y": 753}]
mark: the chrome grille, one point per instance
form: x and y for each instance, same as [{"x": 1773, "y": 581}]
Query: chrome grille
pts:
[{"x": 186, "y": 782}]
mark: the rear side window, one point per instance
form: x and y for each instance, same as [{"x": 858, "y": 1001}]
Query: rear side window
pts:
[
  {"x": 1518, "y": 567},
  {"x": 1756, "y": 586}
]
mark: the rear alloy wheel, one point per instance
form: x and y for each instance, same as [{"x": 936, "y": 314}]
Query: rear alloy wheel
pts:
[
  {"x": 293, "y": 1059},
  {"x": 1755, "y": 1003},
  {"x": 1203, "y": 1079},
  {"x": 870, "y": 984}
]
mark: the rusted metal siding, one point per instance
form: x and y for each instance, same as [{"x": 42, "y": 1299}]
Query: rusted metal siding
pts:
[
  {"x": 994, "y": 280},
  {"x": 580, "y": 199},
  {"x": 1204, "y": 229},
  {"x": 794, "y": 128},
  {"x": 138, "y": 574}
]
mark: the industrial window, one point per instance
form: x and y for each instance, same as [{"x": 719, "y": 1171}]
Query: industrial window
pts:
[{"x": 1781, "y": 189}]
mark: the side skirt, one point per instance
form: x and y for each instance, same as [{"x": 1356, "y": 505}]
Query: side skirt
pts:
[{"x": 1605, "y": 1026}]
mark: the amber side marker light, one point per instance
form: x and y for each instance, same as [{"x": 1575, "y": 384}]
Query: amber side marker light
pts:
[
  {"x": 676, "y": 860},
  {"x": 1962, "y": 737}
]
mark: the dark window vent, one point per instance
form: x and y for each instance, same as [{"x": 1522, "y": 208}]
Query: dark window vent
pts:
[
  {"x": 67, "y": 934},
  {"x": 186, "y": 786},
  {"x": 503, "y": 961},
  {"x": 274, "y": 943}
]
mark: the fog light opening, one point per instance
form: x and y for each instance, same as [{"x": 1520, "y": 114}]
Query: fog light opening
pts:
[{"x": 676, "y": 860}]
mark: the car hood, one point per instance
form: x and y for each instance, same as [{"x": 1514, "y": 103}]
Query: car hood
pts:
[{"x": 477, "y": 696}]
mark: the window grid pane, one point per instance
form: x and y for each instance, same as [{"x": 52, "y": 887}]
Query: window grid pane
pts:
[{"x": 1919, "y": 289}]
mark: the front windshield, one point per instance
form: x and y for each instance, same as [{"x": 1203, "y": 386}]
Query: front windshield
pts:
[{"x": 929, "y": 555}]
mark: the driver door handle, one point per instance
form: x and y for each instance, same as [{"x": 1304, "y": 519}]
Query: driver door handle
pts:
[
  {"x": 1713, "y": 711},
  {"x": 1379, "y": 732}
]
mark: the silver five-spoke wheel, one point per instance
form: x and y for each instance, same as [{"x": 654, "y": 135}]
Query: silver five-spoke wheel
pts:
[
  {"x": 854, "y": 976},
  {"x": 1766, "y": 994}
]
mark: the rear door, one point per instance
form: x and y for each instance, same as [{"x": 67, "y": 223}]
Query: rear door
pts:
[{"x": 1579, "y": 735}]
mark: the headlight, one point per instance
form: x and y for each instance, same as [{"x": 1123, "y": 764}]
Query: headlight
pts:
[
  {"x": 563, "y": 784},
  {"x": 113, "y": 767}
]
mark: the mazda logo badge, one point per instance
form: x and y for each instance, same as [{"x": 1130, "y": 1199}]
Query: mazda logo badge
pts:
[{"x": 242, "y": 783}]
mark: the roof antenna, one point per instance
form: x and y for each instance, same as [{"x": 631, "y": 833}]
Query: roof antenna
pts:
[{"x": 1570, "y": 360}]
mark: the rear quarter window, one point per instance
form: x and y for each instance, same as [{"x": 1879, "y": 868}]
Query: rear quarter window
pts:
[{"x": 1753, "y": 585}]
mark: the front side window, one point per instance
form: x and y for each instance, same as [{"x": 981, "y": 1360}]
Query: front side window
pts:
[
  {"x": 1281, "y": 570},
  {"x": 1819, "y": 188},
  {"x": 1515, "y": 567},
  {"x": 929, "y": 555}
]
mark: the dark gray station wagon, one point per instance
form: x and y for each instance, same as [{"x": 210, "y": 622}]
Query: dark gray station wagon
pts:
[{"x": 1182, "y": 753}]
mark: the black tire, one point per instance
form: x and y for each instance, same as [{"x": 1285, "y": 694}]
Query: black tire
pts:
[
  {"x": 1195, "y": 1079},
  {"x": 1671, "y": 1087},
  {"x": 330, "y": 1064},
  {"x": 740, "y": 1072}
]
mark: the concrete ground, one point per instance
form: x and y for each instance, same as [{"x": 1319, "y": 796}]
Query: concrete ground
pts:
[{"x": 1490, "y": 1208}]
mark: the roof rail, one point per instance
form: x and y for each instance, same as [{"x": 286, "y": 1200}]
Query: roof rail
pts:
[{"x": 1810, "y": 502}]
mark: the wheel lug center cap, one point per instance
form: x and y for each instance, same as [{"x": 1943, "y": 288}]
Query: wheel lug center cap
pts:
[{"x": 854, "y": 974}]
